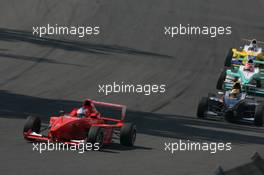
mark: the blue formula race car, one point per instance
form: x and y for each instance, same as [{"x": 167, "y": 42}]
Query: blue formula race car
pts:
[{"x": 232, "y": 107}]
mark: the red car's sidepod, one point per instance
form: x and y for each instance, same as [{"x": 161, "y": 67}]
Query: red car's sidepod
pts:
[{"x": 71, "y": 128}]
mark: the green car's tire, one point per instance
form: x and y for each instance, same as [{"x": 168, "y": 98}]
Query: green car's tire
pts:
[
  {"x": 221, "y": 79},
  {"x": 229, "y": 56},
  {"x": 258, "y": 83}
]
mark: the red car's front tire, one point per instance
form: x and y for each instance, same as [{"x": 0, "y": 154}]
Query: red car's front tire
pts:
[
  {"x": 96, "y": 136},
  {"x": 33, "y": 124}
]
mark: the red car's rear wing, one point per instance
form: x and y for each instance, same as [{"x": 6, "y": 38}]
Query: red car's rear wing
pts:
[{"x": 118, "y": 106}]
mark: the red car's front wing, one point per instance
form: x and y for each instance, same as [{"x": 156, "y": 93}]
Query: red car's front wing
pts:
[{"x": 38, "y": 137}]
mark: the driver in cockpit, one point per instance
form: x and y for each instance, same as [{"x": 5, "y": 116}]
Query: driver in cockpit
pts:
[
  {"x": 253, "y": 45},
  {"x": 249, "y": 66},
  {"x": 236, "y": 90}
]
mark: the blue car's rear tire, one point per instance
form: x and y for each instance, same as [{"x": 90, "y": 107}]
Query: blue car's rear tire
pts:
[
  {"x": 202, "y": 107},
  {"x": 259, "y": 115}
]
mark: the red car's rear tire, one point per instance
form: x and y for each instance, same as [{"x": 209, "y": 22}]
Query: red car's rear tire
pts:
[{"x": 128, "y": 134}]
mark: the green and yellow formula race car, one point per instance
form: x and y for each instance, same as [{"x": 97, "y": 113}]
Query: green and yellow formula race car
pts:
[{"x": 237, "y": 57}]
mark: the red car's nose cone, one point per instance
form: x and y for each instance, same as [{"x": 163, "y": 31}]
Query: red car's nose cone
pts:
[{"x": 68, "y": 128}]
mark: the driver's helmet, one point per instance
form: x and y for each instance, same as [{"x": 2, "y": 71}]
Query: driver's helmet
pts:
[
  {"x": 235, "y": 90},
  {"x": 81, "y": 112},
  {"x": 249, "y": 65},
  {"x": 254, "y": 45},
  {"x": 236, "y": 85},
  {"x": 87, "y": 103}
]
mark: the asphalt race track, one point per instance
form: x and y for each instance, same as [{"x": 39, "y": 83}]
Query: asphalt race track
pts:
[{"x": 39, "y": 76}]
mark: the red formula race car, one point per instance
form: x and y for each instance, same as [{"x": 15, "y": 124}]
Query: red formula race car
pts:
[{"x": 83, "y": 124}]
